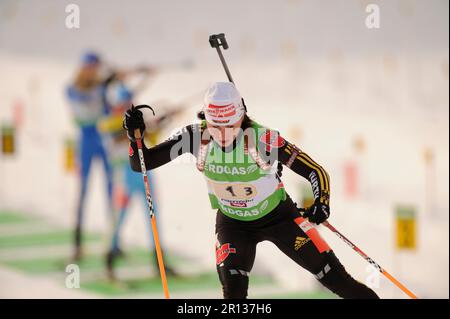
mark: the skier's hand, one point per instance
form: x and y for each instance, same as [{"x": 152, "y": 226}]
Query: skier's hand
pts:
[
  {"x": 317, "y": 213},
  {"x": 133, "y": 120}
]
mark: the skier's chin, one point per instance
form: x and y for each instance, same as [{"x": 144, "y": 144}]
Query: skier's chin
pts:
[{"x": 224, "y": 143}]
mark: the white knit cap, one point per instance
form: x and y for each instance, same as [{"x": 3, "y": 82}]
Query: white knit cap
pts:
[{"x": 223, "y": 104}]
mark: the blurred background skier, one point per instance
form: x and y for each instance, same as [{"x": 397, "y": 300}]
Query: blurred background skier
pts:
[
  {"x": 86, "y": 96},
  {"x": 126, "y": 181}
]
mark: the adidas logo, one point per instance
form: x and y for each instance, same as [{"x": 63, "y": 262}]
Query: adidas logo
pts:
[{"x": 300, "y": 241}]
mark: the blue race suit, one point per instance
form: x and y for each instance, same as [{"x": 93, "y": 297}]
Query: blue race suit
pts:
[{"x": 87, "y": 108}]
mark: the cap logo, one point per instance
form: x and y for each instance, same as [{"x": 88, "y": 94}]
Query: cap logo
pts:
[{"x": 221, "y": 110}]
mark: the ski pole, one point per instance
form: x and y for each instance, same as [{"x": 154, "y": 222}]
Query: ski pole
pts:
[
  {"x": 367, "y": 258},
  {"x": 162, "y": 270}
]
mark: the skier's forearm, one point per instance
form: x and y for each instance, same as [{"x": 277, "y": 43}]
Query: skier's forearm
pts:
[
  {"x": 110, "y": 79},
  {"x": 154, "y": 157},
  {"x": 302, "y": 164},
  {"x": 163, "y": 153}
]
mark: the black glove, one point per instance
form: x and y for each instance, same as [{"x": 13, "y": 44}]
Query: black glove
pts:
[
  {"x": 317, "y": 213},
  {"x": 134, "y": 120}
]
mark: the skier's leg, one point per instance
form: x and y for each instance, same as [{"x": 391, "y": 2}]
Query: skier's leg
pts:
[
  {"x": 151, "y": 179},
  {"x": 334, "y": 276},
  {"x": 115, "y": 250},
  {"x": 115, "y": 243},
  {"x": 235, "y": 255},
  {"x": 109, "y": 173},
  {"x": 86, "y": 155},
  {"x": 121, "y": 205},
  {"x": 136, "y": 180},
  {"x": 302, "y": 243},
  {"x": 115, "y": 223}
]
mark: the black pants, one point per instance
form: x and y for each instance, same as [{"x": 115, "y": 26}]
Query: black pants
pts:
[{"x": 294, "y": 236}]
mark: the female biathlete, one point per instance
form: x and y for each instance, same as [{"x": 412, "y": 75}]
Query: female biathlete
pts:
[{"x": 242, "y": 162}]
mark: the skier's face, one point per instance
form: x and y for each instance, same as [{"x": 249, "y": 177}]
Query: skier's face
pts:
[
  {"x": 91, "y": 70},
  {"x": 225, "y": 135}
]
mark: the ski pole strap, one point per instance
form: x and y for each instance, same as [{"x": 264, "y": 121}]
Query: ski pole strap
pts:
[{"x": 143, "y": 106}]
